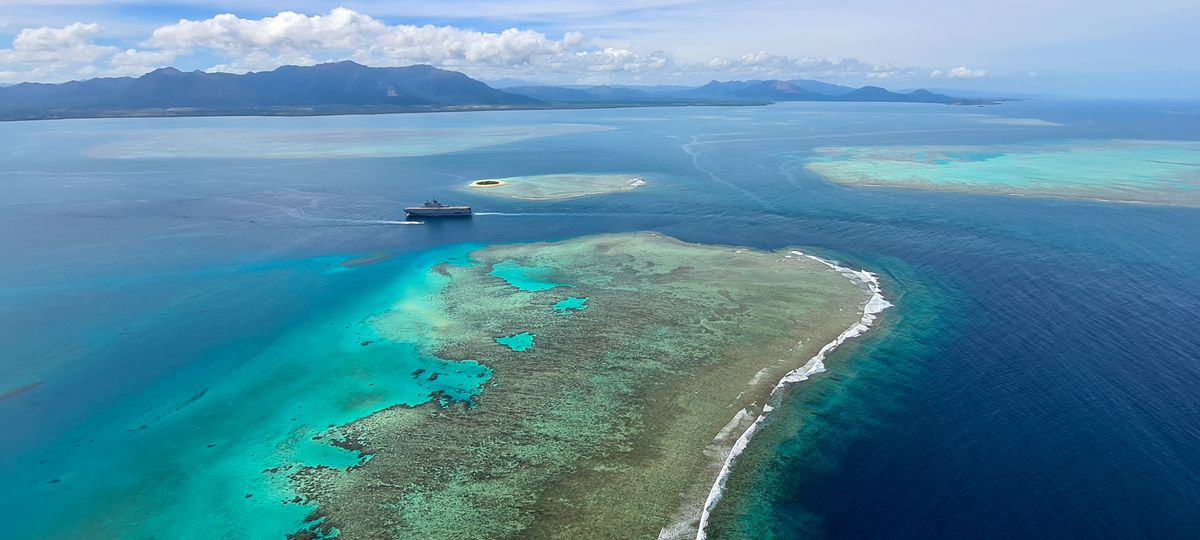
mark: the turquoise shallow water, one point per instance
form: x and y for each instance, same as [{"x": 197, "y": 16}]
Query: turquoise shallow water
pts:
[
  {"x": 1134, "y": 170},
  {"x": 517, "y": 342},
  {"x": 570, "y": 304},
  {"x": 199, "y": 438},
  {"x": 525, "y": 278},
  {"x": 1037, "y": 378}
]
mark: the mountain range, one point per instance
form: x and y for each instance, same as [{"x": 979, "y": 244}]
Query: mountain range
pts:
[
  {"x": 348, "y": 87},
  {"x": 730, "y": 92}
]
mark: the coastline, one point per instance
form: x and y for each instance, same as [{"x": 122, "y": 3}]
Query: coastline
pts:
[{"x": 318, "y": 111}]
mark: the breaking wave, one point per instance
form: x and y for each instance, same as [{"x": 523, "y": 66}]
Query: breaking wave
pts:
[{"x": 876, "y": 304}]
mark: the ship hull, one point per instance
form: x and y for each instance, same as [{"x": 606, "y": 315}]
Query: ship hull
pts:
[{"x": 446, "y": 211}]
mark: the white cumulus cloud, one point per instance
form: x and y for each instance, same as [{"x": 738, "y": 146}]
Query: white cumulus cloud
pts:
[
  {"x": 230, "y": 43},
  {"x": 290, "y": 37},
  {"x": 52, "y": 53},
  {"x": 961, "y": 72},
  {"x": 71, "y": 44}
]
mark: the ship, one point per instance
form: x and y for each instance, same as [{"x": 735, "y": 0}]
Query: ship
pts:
[{"x": 434, "y": 208}]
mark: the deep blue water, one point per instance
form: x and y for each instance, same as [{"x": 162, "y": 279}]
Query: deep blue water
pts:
[{"x": 1039, "y": 376}]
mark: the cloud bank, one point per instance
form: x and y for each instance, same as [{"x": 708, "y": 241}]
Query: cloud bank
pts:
[{"x": 230, "y": 43}]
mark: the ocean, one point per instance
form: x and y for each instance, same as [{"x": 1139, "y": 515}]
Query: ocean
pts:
[{"x": 1036, "y": 378}]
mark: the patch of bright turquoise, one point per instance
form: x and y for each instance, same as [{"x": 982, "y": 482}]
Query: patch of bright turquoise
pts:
[
  {"x": 526, "y": 278},
  {"x": 517, "y": 342},
  {"x": 1110, "y": 168},
  {"x": 571, "y": 303},
  {"x": 269, "y": 410}
]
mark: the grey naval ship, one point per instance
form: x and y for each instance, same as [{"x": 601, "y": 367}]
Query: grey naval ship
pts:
[{"x": 434, "y": 208}]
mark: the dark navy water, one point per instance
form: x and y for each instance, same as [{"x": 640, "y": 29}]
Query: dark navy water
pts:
[{"x": 1039, "y": 376}]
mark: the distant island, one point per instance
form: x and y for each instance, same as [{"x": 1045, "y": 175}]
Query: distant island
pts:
[
  {"x": 733, "y": 92},
  {"x": 351, "y": 88}
]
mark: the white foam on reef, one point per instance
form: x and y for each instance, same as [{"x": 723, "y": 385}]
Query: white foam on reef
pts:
[
  {"x": 816, "y": 364},
  {"x": 740, "y": 417}
]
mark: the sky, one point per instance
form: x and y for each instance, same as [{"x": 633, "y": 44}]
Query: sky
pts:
[{"x": 1080, "y": 48}]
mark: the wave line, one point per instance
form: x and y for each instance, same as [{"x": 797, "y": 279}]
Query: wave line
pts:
[{"x": 876, "y": 304}]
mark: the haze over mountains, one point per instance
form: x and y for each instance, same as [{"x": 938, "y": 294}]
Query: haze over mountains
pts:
[{"x": 348, "y": 87}]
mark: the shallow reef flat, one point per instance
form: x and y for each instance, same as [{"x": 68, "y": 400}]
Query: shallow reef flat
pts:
[
  {"x": 555, "y": 186},
  {"x": 1143, "y": 171},
  {"x": 327, "y": 142},
  {"x": 606, "y": 422}
]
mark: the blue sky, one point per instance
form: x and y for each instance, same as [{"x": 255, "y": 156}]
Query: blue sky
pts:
[{"x": 1101, "y": 48}]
